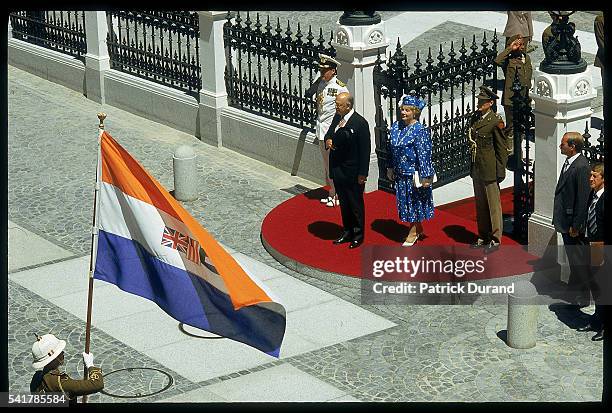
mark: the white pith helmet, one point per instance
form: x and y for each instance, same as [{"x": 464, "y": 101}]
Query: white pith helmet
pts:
[{"x": 45, "y": 350}]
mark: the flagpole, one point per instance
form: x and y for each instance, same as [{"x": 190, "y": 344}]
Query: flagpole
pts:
[{"x": 94, "y": 240}]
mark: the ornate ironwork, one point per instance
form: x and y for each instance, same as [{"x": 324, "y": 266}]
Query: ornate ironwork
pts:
[
  {"x": 452, "y": 82},
  {"x": 523, "y": 165},
  {"x": 359, "y": 18},
  {"x": 562, "y": 53},
  {"x": 62, "y": 31},
  {"x": 268, "y": 69},
  {"x": 157, "y": 45},
  {"x": 594, "y": 152}
]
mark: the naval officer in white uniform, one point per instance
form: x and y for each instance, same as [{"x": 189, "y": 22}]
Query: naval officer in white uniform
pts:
[{"x": 327, "y": 86}]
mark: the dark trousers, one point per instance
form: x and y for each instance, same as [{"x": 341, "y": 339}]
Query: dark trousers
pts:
[
  {"x": 577, "y": 250},
  {"x": 352, "y": 208}
]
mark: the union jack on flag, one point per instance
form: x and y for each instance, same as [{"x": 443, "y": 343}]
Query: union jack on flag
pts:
[{"x": 182, "y": 243}]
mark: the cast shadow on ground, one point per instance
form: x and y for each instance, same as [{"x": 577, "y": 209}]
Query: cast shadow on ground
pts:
[
  {"x": 503, "y": 335},
  {"x": 459, "y": 234},
  {"x": 390, "y": 229},
  {"x": 571, "y": 316},
  {"x": 318, "y": 193},
  {"x": 325, "y": 230}
]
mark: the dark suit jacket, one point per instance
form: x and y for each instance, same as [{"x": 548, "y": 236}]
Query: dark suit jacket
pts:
[
  {"x": 599, "y": 217},
  {"x": 351, "y": 156},
  {"x": 571, "y": 197}
]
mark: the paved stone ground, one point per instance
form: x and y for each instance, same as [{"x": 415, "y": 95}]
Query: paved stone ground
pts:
[{"x": 435, "y": 352}]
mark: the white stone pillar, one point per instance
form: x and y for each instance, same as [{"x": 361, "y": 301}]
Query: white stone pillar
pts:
[
  {"x": 357, "y": 48},
  {"x": 562, "y": 104},
  {"x": 97, "y": 61},
  {"x": 10, "y": 30},
  {"x": 213, "y": 96}
]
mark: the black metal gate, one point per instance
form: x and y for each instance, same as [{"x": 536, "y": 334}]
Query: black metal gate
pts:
[
  {"x": 521, "y": 162},
  {"x": 453, "y": 84}
]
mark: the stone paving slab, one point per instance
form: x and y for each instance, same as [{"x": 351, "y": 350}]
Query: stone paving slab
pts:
[
  {"x": 26, "y": 242},
  {"x": 280, "y": 383}
]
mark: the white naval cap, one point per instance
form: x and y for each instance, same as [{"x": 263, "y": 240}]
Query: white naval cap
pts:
[{"x": 326, "y": 61}]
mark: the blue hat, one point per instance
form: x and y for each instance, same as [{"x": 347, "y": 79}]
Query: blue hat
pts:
[{"x": 409, "y": 100}]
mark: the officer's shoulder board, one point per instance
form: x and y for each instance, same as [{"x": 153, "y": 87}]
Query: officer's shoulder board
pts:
[
  {"x": 499, "y": 121},
  {"x": 340, "y": 83}
]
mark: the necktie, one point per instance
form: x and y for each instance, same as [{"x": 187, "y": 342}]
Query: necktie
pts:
[
  {"x": 591, "y": 218},
  {"x": 565, "y": 166},
  {"x": 341, "y": 124}
]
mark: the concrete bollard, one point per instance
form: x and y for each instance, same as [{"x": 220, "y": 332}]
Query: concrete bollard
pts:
[
  {"x": 522, "y": 315},
  {"x": 185, "y": 174}
]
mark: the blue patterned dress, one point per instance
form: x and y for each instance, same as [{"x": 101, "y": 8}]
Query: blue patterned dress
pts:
[{"x": 410, "y": 150}]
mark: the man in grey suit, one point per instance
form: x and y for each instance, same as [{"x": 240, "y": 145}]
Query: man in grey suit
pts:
[{"x": 570, "y": 212}]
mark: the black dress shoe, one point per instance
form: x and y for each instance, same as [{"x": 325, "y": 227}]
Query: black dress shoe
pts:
[
  {"x": 588, "y": 327},
  {"x": 345, "y": 237},
  {"x": 491, "y": 248},
  {"x": 355, "y": 243},
  {"x": 478, "y": 244},
  {"x": 598, "y": 336}
]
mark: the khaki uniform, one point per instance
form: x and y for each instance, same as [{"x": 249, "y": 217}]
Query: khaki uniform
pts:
[
  {"x": 489, "y": 154},
  {"x": 512, "y": 64},
  {"x": 56, "y": 381}
]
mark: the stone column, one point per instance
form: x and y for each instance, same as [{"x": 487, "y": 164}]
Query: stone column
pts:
[
  {"x": 97, "y": 60},
  {"x": 562, "y": 104},
  {"x": 10, "y": 30},
  {"x": 356, "y": 49},
  {"x": 213, "y": 96}
]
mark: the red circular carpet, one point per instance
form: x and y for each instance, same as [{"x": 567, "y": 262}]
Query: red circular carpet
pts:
[{"x": 302, "y": 229}]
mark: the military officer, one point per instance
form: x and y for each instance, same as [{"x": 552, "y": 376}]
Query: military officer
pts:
[
  {"x": 514, "y": 59},
  {"x": 327, "y": 86},
  {"x": 48, "y": 355},
  {"x": 489, "y": 155}
]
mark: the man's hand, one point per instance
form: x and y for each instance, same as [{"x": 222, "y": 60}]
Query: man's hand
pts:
[
  {"x": 515, "y": 45},
  {"x": 390, "y": 174},
  {"x": 573, "y": 232},
  {"x": 329, "y": 144},
  {"x": 361, "y": 179}
]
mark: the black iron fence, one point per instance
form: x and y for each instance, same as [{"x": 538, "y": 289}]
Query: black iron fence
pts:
[
  {"x": 521, "y": 161},
  {"x": 62, "y": 31},
  {"x": 269, "y": 69},
  {"x": 594, "y": 150},
  {"x": 157, "y": 45},
  {"x": 449, "y": 88}
]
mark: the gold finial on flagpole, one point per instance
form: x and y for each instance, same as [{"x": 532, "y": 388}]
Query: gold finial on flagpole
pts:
[{"x": 101, "y": 116}]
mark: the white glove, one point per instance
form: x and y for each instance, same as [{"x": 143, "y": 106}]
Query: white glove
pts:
[{"x": 88, "y": 359}]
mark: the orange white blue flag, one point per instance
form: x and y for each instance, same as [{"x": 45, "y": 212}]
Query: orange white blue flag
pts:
[{"x": 150, "y": 246}]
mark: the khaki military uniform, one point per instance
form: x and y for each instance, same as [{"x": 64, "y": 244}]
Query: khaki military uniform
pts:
[
  {"x": 511, "y": 64},
  {"x": 489, "y": 154},
  {"x": 56, "y": 381}
]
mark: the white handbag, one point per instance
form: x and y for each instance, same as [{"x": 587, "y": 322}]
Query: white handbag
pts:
[{"x": 417, "y": 179}]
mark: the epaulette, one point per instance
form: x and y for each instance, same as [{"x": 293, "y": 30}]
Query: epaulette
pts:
[
  {"x": 500, "y": 122},
  {"x": 340, "y": 82}
]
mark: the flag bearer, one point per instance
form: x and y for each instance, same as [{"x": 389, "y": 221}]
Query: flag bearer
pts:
[{"x": 48, "y": 355}]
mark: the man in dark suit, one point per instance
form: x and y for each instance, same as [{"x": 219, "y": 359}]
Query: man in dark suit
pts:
[
  {"x": 570, "y": 212},
  {"x": 595, "y": 238},
  {"x": 348, "y": 138}
]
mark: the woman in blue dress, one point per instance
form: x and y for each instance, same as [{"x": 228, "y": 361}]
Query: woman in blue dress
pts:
[{"x": 410, "y": 147}]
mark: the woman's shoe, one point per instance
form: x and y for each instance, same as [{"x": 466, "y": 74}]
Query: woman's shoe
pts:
[
  {"x": 333, "y": 202},
  {"x": 410, "y": 244}
]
